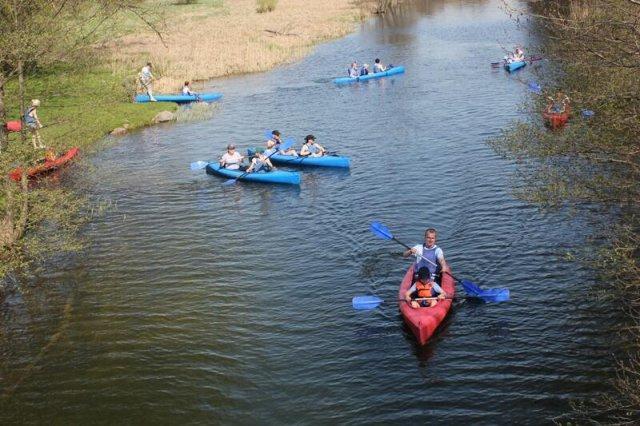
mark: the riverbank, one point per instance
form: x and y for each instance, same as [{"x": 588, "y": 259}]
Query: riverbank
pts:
[{"x": 83, "y": 102}]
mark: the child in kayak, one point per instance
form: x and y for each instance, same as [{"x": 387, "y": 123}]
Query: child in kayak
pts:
[
  {"x": 260, "y": 162},
  {"x": 364, "y": 70},
  {"x": 424, "y": 292},
  {"x": 311, "y": 148},
  {"x": 231, "y": 159}
]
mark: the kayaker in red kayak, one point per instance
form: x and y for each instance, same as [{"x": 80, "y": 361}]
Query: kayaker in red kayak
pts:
[
  {"x": 559, "y": 104},
  {"x": 311, "y": 148},
  {"x": 425, "y": 290},
  {"x": 429, "y": 255}
]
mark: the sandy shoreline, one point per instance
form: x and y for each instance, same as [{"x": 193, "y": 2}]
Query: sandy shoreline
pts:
[{"x": 210, "y": 42}]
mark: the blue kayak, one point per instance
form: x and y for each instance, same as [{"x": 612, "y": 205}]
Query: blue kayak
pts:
[
  {"x": 512, "y": 66},
  {"x": 392, "y": 71},
  {"x": 276, "y": 176},
  {"x": 324, "y": 161},
  {"x": 181, "y": 99}
]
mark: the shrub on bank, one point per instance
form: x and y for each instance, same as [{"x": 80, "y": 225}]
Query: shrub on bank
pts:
[{"x": 266, "y": 5}]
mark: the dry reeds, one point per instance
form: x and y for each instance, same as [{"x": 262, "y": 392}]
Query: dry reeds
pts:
[
  {"x": 266, "y": 5},
  {"x": 236, "y": 40}
]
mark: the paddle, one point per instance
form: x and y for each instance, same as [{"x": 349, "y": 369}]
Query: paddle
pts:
[
  {"x": 530, "y": 59},
  {"x": 285, "y": 145},
  {"x": 473, "y": 290},
  {"x": 363, "y": 303}
]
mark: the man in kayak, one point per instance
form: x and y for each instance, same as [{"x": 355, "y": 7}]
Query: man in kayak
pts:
[
  {"x": 146, "y": 80},
  {"x": 364, "y": 70},
  {"x": 429, "y": 255},
  {"x": 311, "y": 148},
  {"x": 378, "y": 67},
  {"x": 277, "y": 141},
  {"x": 353, "y": 70},
  {"x": 425, "y": 290},
  {"x": 231, "y": 159},
  {"x": 516, "y": 56},
  {"x": 260, "y": 162}
]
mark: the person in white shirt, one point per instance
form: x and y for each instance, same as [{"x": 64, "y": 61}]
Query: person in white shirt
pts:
[
  {"x": 146, "y": 80},
  {"x": 429, "y": 255},
  {"x": 186, "y": 89},
  {"x": 310, "y": 148},
  {"x": 231, "y": 159}
]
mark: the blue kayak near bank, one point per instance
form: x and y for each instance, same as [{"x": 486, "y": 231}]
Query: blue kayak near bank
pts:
[
  {"x": 276, "y": 176},
  {"x": 324, "y": 161},
  {"x": 392, "y": 71},
  {"x": 512, "y": 66},
  {"x": 181, "y": 99}
]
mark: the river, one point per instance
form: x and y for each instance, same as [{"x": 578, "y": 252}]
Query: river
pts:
[{"x": 198, "y": 303}]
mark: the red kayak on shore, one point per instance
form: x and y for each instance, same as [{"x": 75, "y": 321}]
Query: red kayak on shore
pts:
[
  {"x": 48, "y": 165},
  {"x": 423, "y": 322},
  {"x": 556, "y": 120}
]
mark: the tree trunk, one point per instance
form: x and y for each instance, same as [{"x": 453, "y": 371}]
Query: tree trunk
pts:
[
  {"x": 3, "y": 115},
  {"x": 23, "y": 133}
]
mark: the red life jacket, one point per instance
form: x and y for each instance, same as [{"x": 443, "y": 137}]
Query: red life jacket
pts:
[{"x": 424, "y": 290}]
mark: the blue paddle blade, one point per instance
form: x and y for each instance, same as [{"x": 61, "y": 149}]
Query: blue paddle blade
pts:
[
  {"x": 587, "y": 113},
  {"x": 495, "y": 295},
  {"x": 267, "y": 134},
  {"x": 362, "y": 303},
  {"x": 197, "y": 165},
  {"x": 288, "y": 143},
  {"x": 380, "y": 230},
  {"x": 535, "y": 87}
]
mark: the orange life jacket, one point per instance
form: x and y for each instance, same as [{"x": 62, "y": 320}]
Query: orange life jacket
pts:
[{"x": 424, "y": 290}]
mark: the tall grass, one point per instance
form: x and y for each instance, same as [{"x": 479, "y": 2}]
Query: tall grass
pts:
[
  {"x": 233, "y": 39},
  {"x": 266, "y": 5}
]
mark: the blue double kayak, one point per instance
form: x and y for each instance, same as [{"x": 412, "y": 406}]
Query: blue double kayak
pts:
[
  {"x": 181, "y": 99},
  {"x": 324, "y": 161},
  {"x": 276, "y": 176},
  {"x": 512, "y": 66},
  {"x": 392, "y": 71}
]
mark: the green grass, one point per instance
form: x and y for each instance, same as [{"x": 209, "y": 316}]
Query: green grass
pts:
[
  {"x": 264, "y": 6},
  {"x": 80, "y": 107}
]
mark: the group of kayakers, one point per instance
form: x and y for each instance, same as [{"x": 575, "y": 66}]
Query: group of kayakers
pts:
[
  {"x": 233, "y": 160},
  {"x": 428, "y": 268},
  {"x": 355, "y": 70}
]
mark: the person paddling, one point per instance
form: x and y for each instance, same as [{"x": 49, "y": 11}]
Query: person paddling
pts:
[
  {"x": 146, "y": 80},
  {"x": 364, "y": 70},
  {"x": 277, "y": 141},
  {"x": 559, "y": 104},
  {"x": 260, "y": 162},
  {"x": 231, "y": 159},
  {"x": 353, "y": 70},
  {"x": 311, "y": 148},
  {"x": 378, "y": 67},
  {"x": 32, "y": 121},
  {"x": 429, "y": 255},
  {"x": 425, "y": 290}
]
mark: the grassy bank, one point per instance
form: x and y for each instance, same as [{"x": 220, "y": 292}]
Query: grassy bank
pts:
[{"x": 83, "y": 101}]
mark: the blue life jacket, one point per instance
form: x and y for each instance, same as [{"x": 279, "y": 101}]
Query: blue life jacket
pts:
[
  {"x": 429, "y": 253},
  {"x": 29, "y": 120}
]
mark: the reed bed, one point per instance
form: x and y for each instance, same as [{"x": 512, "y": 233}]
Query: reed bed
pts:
[{"x": 234, "y": 40}]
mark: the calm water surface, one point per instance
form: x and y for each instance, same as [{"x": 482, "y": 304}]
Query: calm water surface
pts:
[{"x": 198, "y": 303}]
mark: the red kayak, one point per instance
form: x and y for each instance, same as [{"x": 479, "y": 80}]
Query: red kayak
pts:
[
  {"x": 48, "y": 165},
  {"x": 557, "y": 120},
  {"x": 423, "y": 322}
]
